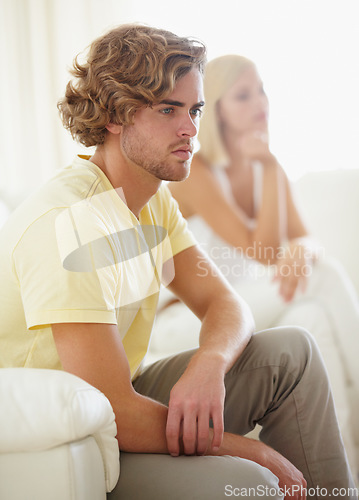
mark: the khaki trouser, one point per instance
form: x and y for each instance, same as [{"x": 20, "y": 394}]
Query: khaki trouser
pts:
[{"x": 279, "y": 382}]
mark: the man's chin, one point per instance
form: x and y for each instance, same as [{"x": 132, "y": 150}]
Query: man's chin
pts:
[{"x": 180, "y": 173}]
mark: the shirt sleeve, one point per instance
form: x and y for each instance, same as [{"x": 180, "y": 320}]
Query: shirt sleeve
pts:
[{"x": 52, "y": 293}]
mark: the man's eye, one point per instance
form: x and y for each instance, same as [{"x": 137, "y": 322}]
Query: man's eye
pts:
[
  {"x": 196, "y": 112},
  {"x": 166, "y": 111}
]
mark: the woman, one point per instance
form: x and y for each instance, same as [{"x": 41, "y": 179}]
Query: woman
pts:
[{"x": 239, "y": 205}]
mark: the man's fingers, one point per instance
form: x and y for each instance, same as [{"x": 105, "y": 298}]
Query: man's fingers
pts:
[
  {"x": 218, "y": 429},
  {"x": 190, "y": 432},
  {"x": 173, "y": 431},
  {"x": 202, "y": 433},
  {"x": 188, "y": 419}
]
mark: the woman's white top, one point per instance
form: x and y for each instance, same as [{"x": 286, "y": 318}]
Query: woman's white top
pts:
[{"x": 234, "y": 263}]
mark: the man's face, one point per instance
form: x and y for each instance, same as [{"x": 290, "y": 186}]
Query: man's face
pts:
[{"x": 161, "y": 138}]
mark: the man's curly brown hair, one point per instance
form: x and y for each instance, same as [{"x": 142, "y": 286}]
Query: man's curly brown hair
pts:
[{"x": 129, "y": 67}]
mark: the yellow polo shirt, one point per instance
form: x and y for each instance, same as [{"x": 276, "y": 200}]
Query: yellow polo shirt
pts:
[{"x": 74, "y": 252}]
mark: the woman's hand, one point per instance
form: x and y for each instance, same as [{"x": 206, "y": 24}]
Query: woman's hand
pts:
[
  {"x": 293, "y": 268},
  {"x": 255, "y": 146}
]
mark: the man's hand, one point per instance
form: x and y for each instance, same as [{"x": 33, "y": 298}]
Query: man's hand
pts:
[
  {"x": 291, "y": 480},
  {"x": 197, "y": 398}
]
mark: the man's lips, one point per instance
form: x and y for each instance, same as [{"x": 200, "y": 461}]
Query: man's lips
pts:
[{"x": 183, "y": 152}]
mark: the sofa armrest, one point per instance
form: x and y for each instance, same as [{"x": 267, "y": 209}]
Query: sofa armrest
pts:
[{"x": 42, "y": 409}]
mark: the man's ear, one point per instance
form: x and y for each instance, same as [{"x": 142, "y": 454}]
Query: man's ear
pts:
[{"x": 114, "y": 128}]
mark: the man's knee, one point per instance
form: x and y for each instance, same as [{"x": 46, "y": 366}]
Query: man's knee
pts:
[
  {"x": 295, "y": 337},
  {"x": 281, "y": 354},
  {"x": 286, "y": 346}
]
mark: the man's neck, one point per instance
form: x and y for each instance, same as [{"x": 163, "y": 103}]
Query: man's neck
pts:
[{"x": 138, "y": 185}]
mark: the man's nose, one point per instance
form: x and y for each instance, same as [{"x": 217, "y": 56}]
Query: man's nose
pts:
[{"x": 188, "y": 127}]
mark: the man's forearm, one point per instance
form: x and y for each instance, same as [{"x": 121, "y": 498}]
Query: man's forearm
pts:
[
  {"x": 226, "y": 330},
  {"x": 141, "y": 425}
]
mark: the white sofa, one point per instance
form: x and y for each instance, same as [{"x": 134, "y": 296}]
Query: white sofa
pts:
[
  {"x": 329, "y": 202},
  {"x": 57, "y": 437}
]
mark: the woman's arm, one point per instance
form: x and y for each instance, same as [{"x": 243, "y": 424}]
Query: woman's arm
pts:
[
  {"x": 295, "y": 260},
  {"x": 201, "y": 194}
]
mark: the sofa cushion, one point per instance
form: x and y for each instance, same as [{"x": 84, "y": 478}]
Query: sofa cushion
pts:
[{"x": 41, "y": 409}]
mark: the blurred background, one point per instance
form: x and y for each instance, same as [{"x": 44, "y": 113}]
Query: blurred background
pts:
[{"x": 306, "y": 52}]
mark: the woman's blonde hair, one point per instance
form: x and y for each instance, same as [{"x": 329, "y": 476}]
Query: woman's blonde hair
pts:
[
  {"x": 129, "y": 67},
  {"x": 220, "y": 74}
]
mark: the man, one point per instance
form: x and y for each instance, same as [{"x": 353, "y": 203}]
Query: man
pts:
[{"x": 81, "y": 265}]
